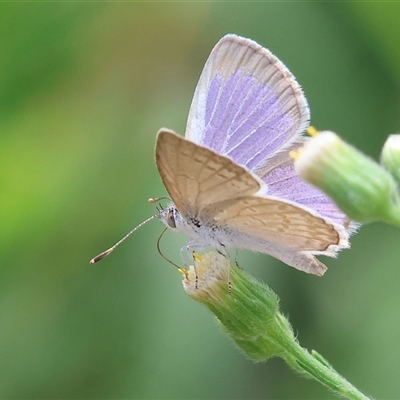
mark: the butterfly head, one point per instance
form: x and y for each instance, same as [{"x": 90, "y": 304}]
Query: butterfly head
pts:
[
  {"x": 172, "y": 218},
  {"x": 169, "y": 216}
]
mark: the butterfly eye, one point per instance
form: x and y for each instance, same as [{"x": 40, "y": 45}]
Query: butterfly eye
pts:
[{"x": 171, "y": 219}]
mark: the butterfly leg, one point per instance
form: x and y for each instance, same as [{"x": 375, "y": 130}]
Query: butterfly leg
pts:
[
  {"x": 236, "y": 260},
  {"x": 189, "y": 251},
  {"x": 222, "y": 250}
]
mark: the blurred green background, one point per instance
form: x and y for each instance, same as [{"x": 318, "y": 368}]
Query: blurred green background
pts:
[{"x": 84, "y": 87}]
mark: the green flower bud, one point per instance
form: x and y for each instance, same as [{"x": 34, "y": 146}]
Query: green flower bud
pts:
[
  {"x": 390, "y": 157},
  {"x": 360, "y": 187},
  {"x": 245, "y": 307}
]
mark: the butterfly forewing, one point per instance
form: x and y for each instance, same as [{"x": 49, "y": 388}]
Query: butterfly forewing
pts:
[
  {"x": 196, "y": 177},
  {"x": 247, "y": 104}
]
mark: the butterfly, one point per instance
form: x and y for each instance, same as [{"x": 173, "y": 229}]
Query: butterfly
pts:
[{"x": 231, "y": 178}]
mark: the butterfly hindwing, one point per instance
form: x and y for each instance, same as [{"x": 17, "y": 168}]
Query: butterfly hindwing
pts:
[
  {"x": 283, "y": 181},
  {"x": 279, "y": 221}
]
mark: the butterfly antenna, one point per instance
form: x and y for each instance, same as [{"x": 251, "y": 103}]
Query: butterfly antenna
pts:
[
  {"x": 105, "y": 253},
  {"x": 180, "y": 269}
]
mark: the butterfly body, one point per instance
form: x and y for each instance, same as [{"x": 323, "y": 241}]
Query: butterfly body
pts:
[
  {"x": 203, "y": 233},
  {"x": 231, "y": 179}
]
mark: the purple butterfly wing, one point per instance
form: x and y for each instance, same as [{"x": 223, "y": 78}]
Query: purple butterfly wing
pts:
[
  {"x": 279, "y": 174},
  {"x": 247, "y": 104}
]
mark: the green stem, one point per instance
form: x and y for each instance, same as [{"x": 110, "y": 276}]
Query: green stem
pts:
[{"x": 312, "y": 364}]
